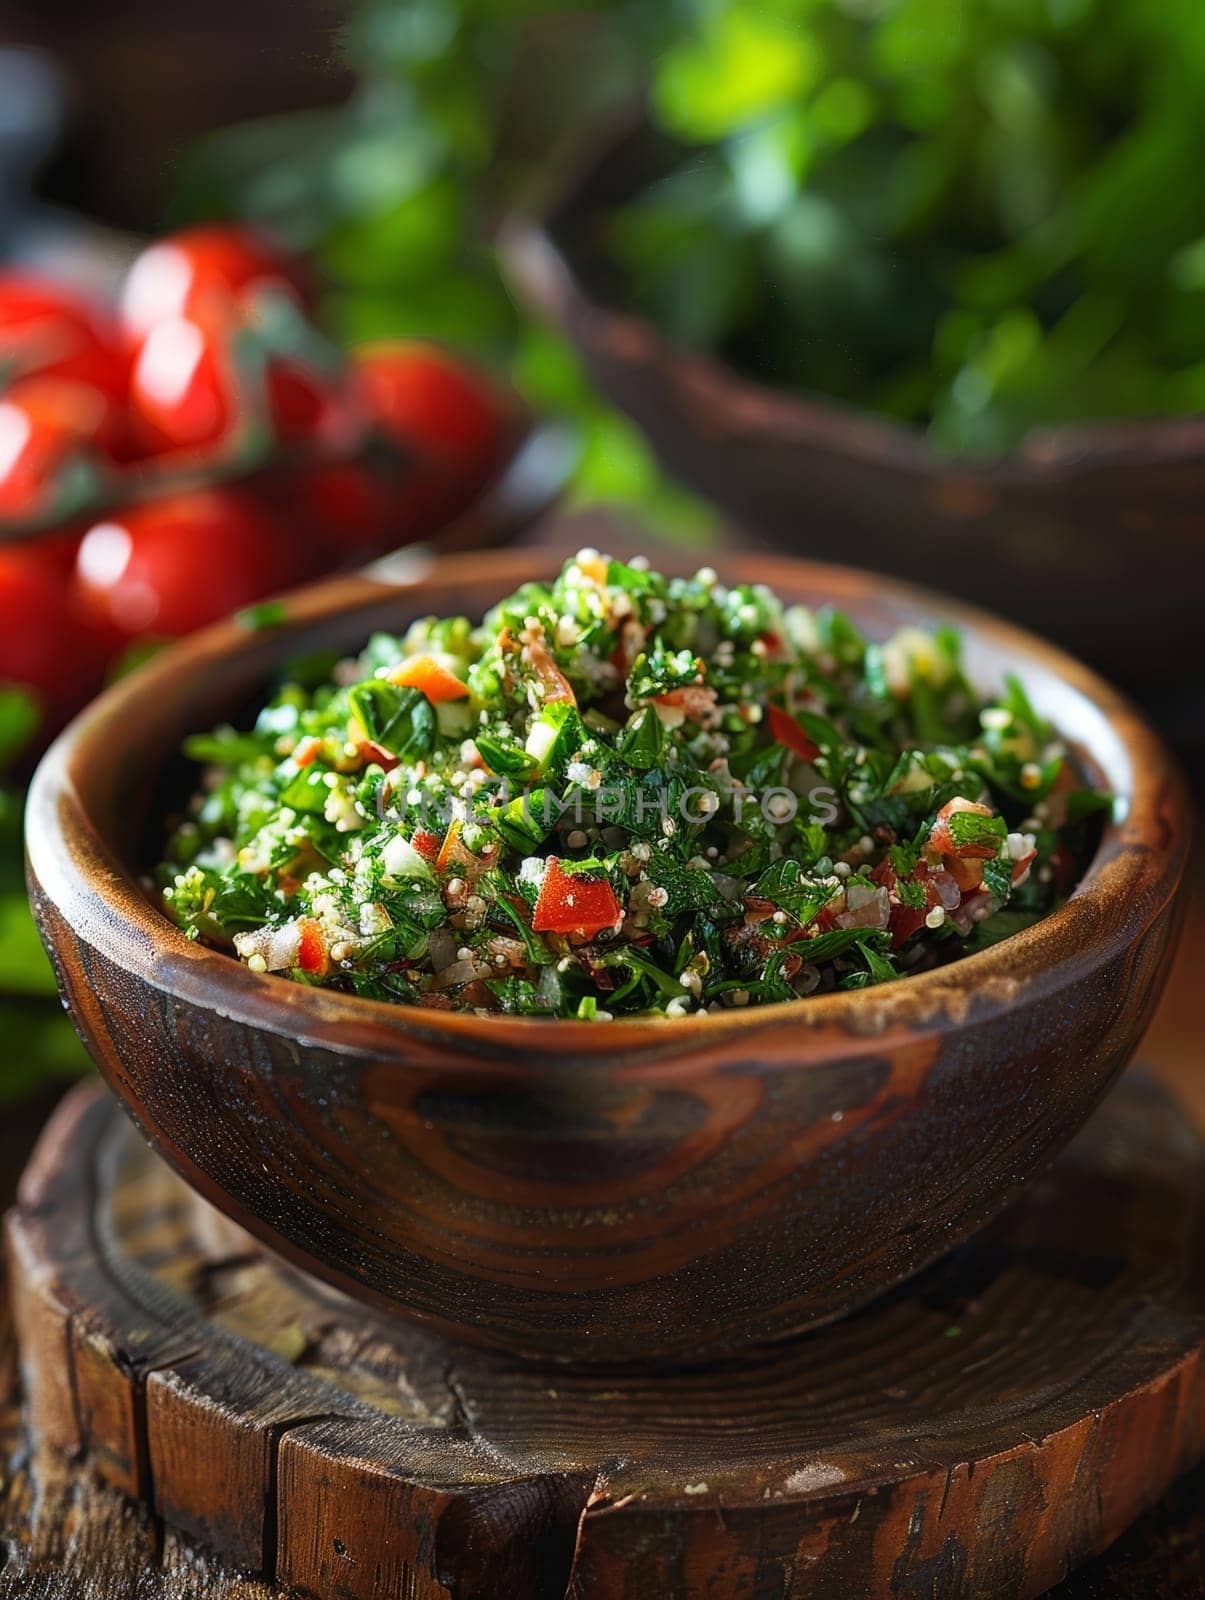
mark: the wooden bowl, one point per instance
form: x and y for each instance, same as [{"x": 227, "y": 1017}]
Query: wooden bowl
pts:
[
  {"x": 643, "y": 1190},
  {"x": 1093, "y": 535}
]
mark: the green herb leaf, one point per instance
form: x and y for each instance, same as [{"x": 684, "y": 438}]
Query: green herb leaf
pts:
[
  {"x": 969, "y": 828},
  {"x": 399, "y": 720}
]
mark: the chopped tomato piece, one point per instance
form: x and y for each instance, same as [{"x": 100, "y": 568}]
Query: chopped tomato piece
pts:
[
  {"x": 554, "y": 685},
  {"x": 694, "y": 702},
  {"x": 312, "y": 954},
  {"x": 904, "y": 921},
  {"x": 374, "y": 752},
  {"x": 427, "y": 844},
  {"x": 884, "y": 875},
  {"x": 1023, "y": 864},
  {"x": 940, "y": 838},
  {"x": 449, "y": 844},
  {"x": 788, "y": 732},
  {"x": 430, "y": 678},
  {"x": 968, "y": 875},
  {"x": 572, "y": 904}
]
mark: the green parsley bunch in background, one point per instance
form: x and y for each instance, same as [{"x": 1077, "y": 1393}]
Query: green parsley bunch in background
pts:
[{"x": 979, "y": 217}]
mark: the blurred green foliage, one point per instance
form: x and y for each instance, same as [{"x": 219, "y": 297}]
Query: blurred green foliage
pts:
[
  {"x": 979, "y": 215},
  {"x": 39, "y": 1041},
  {"x": 396, "y": 194}
]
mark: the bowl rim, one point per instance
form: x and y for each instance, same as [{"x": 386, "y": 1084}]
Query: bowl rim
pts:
[
  {"x": 535, "y": 259},
  {"x": 1129, "y": 882}
]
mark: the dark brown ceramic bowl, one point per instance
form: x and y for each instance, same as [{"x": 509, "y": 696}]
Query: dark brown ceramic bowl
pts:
[
  {"x": 644, "y": 1189},
  {"x": 1094, "y": 535}
]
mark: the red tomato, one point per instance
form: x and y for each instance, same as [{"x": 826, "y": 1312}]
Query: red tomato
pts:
[
  {"x": 571, "y": 904},
  {"x": 448, "y": 847},
  {"x": 426, "y": 843},
  {"x": 312, "y": 954},
  {"x": 49, "y": 332},
  {"x": 46, "y": 646},
  {"x": 77, "y": 408},
  {"x": 44, "y": 422},
  {"x": 202, "y": 273},
  {"x": 341, "y": 508},
  {"x": 185, "y": 391},
  {"x": 56, "y": 551},
  {"x": 303, "y": 404},
  {"x": 297, "y": 400},
  {"x": 786, "y": 731},
  {"x": 422, "y": 396},
  {"x": 443, "y": 414},
  {"x": 906, "y": 920},
  {"x": 171, "y": 566},
  {"x": 182, "y": 388}
]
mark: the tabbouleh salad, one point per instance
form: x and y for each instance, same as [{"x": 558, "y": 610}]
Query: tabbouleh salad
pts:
[{"x": 624, "y": 793}]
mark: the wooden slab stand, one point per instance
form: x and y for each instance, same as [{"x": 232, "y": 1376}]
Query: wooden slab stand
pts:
[{"x": 979, "y": 1433}]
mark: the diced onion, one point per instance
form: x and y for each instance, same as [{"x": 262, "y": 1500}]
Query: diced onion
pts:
[
  {"x": 401, "y": 860},
  {"x": 949, "y": 894},
  {"x": 866, "y": 908},
  {"x": 460, "y": 972}
]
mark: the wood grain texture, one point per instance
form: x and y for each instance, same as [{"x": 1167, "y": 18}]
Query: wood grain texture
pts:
[
  {"x": 1083, "y": 522},
  {"x": 978, "y": 1433},
  {"x": 663, "y": 1189}
]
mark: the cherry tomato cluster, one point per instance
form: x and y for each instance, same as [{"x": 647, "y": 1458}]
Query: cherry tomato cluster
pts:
[{"x": 200, "y": 445}]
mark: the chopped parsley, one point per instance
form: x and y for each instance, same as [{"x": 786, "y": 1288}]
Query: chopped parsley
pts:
[{"x": 624, "y": 793}]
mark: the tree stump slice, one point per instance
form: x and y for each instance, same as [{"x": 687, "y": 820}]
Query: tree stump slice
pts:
[{"x": 980, "y": 1432}]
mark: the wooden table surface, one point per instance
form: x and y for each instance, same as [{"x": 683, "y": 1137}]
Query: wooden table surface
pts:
[{"x": 84, "y": 1542}]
